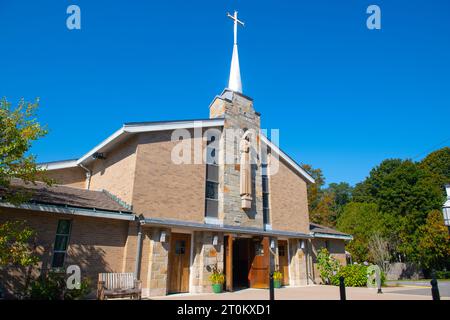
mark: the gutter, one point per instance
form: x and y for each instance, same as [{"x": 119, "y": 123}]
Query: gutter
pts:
[
  {"x": 332, "y": 236},
  {"x": 72, "y": 210},
  {"x": 221, "y": 228}
]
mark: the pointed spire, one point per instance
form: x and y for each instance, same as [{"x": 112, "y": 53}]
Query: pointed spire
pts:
[{"x": 234, "y": 82}]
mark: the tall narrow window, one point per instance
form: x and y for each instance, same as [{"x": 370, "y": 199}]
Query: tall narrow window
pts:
[
  {"x": 61, "y": 243},
  {"x": 265, "y": 190},
  {"x": 212, "y": 180}
]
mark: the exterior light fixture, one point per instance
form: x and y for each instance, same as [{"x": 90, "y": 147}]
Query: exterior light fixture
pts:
[
  {"x": 301, "y": 244},
  {"x": 272, "y": 244},
  {"x": 215, "y": 240},
  {"x": 446, "y": 207},
  {"x": 163, "y": 236}
]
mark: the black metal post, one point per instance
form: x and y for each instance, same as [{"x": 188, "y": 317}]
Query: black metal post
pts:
[
  {"x": 271, "y": 287},
  {"x": 434, "y": 288},
  {"x": 342, "y": 288}
]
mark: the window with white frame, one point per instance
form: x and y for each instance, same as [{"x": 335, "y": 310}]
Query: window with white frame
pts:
[
  {"x": 61, "y": 243},
  {"x": 212, "y": 179}
]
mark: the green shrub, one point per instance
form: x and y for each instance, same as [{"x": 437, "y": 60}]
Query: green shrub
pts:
[
  {"x": 53, "y": 287},
  {"x": 355, "y": 275},
  {"x": 443, "y": 274},
  {"x": 328, "y": 266}
]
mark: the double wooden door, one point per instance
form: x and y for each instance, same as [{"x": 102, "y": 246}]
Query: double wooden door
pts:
[{"x": 179, "y": 262}]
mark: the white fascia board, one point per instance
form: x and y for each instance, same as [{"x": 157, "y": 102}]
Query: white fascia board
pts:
[
  {"x": 286, "y": 158},
  {"x": 55, "y": 165},
  {"x": 332, "y": 236},
  {"x": 109, "y": 140},
  {"x": 74, "y": 211},
  {"x": 130, "y": 129},
  {"x": 174, "y": 125}
]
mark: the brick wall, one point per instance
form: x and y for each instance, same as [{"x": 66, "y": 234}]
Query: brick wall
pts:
[
  {"x": 163, "y": 189},
  {"x": 71, "y": 177},
  {"x": 95, "y": 244},
  {"x": 288, "y": 200},
  {"x": 116, "y": 173}
]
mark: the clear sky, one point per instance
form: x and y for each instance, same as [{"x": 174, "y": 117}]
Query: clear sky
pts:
[{"x": 344, "y": 97}]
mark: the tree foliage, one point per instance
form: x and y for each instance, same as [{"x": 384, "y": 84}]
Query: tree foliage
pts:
[
  {"x": 18, "y": 129},
  {"x": 433, "y": 242},
  {"x": 16, "y": 244},
  {"x": 362, "y": 221}
]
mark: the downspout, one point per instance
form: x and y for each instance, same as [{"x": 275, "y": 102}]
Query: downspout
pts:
[
  {"x": 88, "y": 176},
  {"x": 137, "y": 264}
]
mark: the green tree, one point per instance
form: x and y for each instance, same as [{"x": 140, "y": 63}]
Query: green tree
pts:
[
  {"x": 343, "y": 193},
  {"x": 314, "y": 189},
  {"x": 437, "y": 163},
  {"x": 362, "y": 221},
  {"x": 18, "y": 129},
  {"x": 325, "y": 211},
  {"x": 16, "y": 244},
  {"x": 434, "y": 242}
]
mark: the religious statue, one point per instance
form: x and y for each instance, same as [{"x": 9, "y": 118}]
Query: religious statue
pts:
[{"x": 246, "y": 172}]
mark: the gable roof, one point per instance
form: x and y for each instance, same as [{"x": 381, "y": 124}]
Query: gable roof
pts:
[
  {"x": 138, "y": 127},
  {"x": 65, "y": 196}
]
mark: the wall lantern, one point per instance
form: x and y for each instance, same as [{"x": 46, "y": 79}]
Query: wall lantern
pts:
[
  {"x": 215, "y": 240},
  {"x": 301, "y": 244},
  {"x": 163, "y": 236},
  {"x": 446, "y": 207},
  {"x": 272, "y": 244}
]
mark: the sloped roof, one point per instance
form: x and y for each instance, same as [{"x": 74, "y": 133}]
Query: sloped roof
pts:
[
  {"x": 318, "y": 230},
  {"x": 59, "y": 195}
]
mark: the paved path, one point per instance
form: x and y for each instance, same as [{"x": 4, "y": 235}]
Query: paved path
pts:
[
  {"x": 310, "y": 293},
  {"x": 422, "y": 287}
]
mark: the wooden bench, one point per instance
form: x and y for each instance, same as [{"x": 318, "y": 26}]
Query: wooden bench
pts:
[{"x": 118, "y": 285}]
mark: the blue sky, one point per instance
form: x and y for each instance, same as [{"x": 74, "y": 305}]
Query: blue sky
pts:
[{"x": 344, "y": 97}]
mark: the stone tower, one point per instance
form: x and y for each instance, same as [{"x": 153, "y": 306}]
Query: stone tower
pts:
[{"x": 239, "y": 115}]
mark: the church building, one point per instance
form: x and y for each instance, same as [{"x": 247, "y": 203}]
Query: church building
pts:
[{"x": 170, "y": 201}]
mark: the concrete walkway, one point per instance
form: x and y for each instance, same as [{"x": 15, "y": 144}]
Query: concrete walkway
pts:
[{"x": 309, "y": 293}]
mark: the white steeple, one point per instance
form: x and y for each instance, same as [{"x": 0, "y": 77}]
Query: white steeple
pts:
[{"x": 235, "y": 83}]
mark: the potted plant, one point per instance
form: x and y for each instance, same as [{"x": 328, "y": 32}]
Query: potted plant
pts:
[
  {"x": 217, "y": 279},
  {"x": 277, "y": 277}
]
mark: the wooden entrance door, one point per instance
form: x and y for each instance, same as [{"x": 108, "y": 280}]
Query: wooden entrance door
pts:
[
  {"x": 179, "y": 261},
  {"x": 259, "y": 270},
  {"x": 283, "y": 260}
]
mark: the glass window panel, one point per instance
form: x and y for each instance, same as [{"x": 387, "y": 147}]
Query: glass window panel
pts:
[
  {"x": 212, "y": 190},
  {"x": 61, "y": 243},
  {"x": 63, "y": 227},
  {"x": 281, "y": 251},
  {"x": 266, "y": 216},
  {"x": 265, "y": 184},
  {"x": 212, "y": 173},
  {"x": 211, "y": 155},
  {"x": 58, "y": 260},
  {"x": 212, "y": 208},
  {"x": 180, "y": 247},
  {"x": 265, "y": 200}
]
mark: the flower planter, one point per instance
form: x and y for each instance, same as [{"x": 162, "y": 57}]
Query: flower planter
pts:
[
  {"x": 217, "y": 288},
  {"x": 277, "y": 283}
]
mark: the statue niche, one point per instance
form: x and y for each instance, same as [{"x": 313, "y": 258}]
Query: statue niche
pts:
[{"x": 245, "y": 172}]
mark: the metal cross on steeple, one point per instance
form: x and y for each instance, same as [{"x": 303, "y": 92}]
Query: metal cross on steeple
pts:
[
  {"x": 236, "y": 21},
  {"x": 234, "y": 82}
]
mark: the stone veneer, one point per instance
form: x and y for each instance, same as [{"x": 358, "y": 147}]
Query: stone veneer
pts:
[{"x": 238, "y": 112}]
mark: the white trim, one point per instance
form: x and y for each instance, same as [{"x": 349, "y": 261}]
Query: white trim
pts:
[
  {"x": 110, "y": 139},
  {"x": 150, "y": 127},
  {"x": 72, "y": 211},
  {"x": 286, "y": 158},
  {"x": 332, "y": 236},
  {"x": 58, "y": 165},
  {"x": 211, "y": 220}
]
